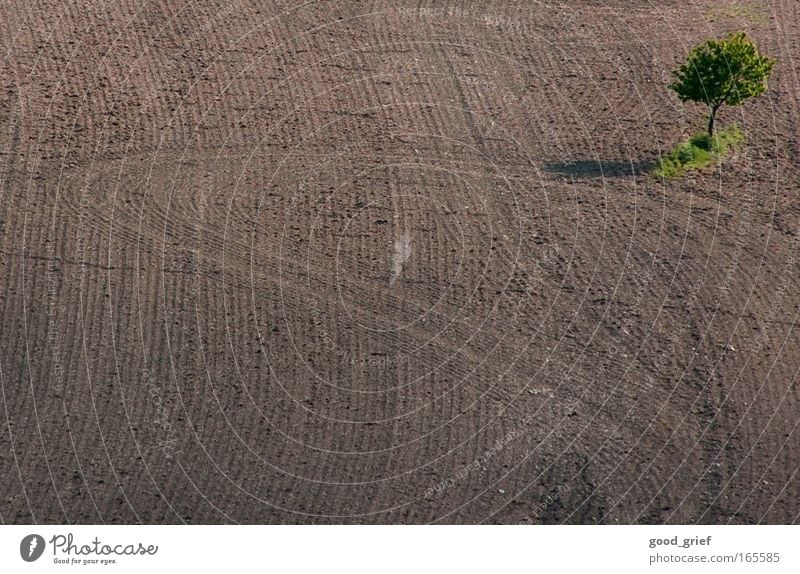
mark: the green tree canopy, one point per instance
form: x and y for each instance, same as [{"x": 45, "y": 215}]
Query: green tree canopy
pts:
[{"x": 718, "y": 72}]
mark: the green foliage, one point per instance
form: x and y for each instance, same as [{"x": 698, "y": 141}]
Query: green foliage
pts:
[
  {"x": 722, "y": 72},
  {"x": 701, "y": 150},
  {"x": 702, "y": 140},
  {"x": 725, "y": 140}
]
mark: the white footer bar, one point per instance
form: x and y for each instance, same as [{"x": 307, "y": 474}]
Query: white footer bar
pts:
[{"x": 401, "y": 549}]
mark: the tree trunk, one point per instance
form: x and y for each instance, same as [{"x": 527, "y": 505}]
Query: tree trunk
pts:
[{"x": 711, "y": 117}]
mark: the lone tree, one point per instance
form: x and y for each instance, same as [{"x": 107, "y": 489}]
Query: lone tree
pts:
[{"x": 721, "y": 72}]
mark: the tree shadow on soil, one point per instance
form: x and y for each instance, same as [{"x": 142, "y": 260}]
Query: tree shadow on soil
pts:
[{"x": 589, "y": 168}]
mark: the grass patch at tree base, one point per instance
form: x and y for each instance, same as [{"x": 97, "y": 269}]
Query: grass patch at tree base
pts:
[{"x": 700, "y": 151}]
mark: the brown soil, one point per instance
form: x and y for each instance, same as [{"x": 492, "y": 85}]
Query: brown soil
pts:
[{"x": 392, "y": 262}]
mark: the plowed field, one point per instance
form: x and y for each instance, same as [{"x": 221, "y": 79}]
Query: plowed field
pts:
[{"x": 392, "y": 262}]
